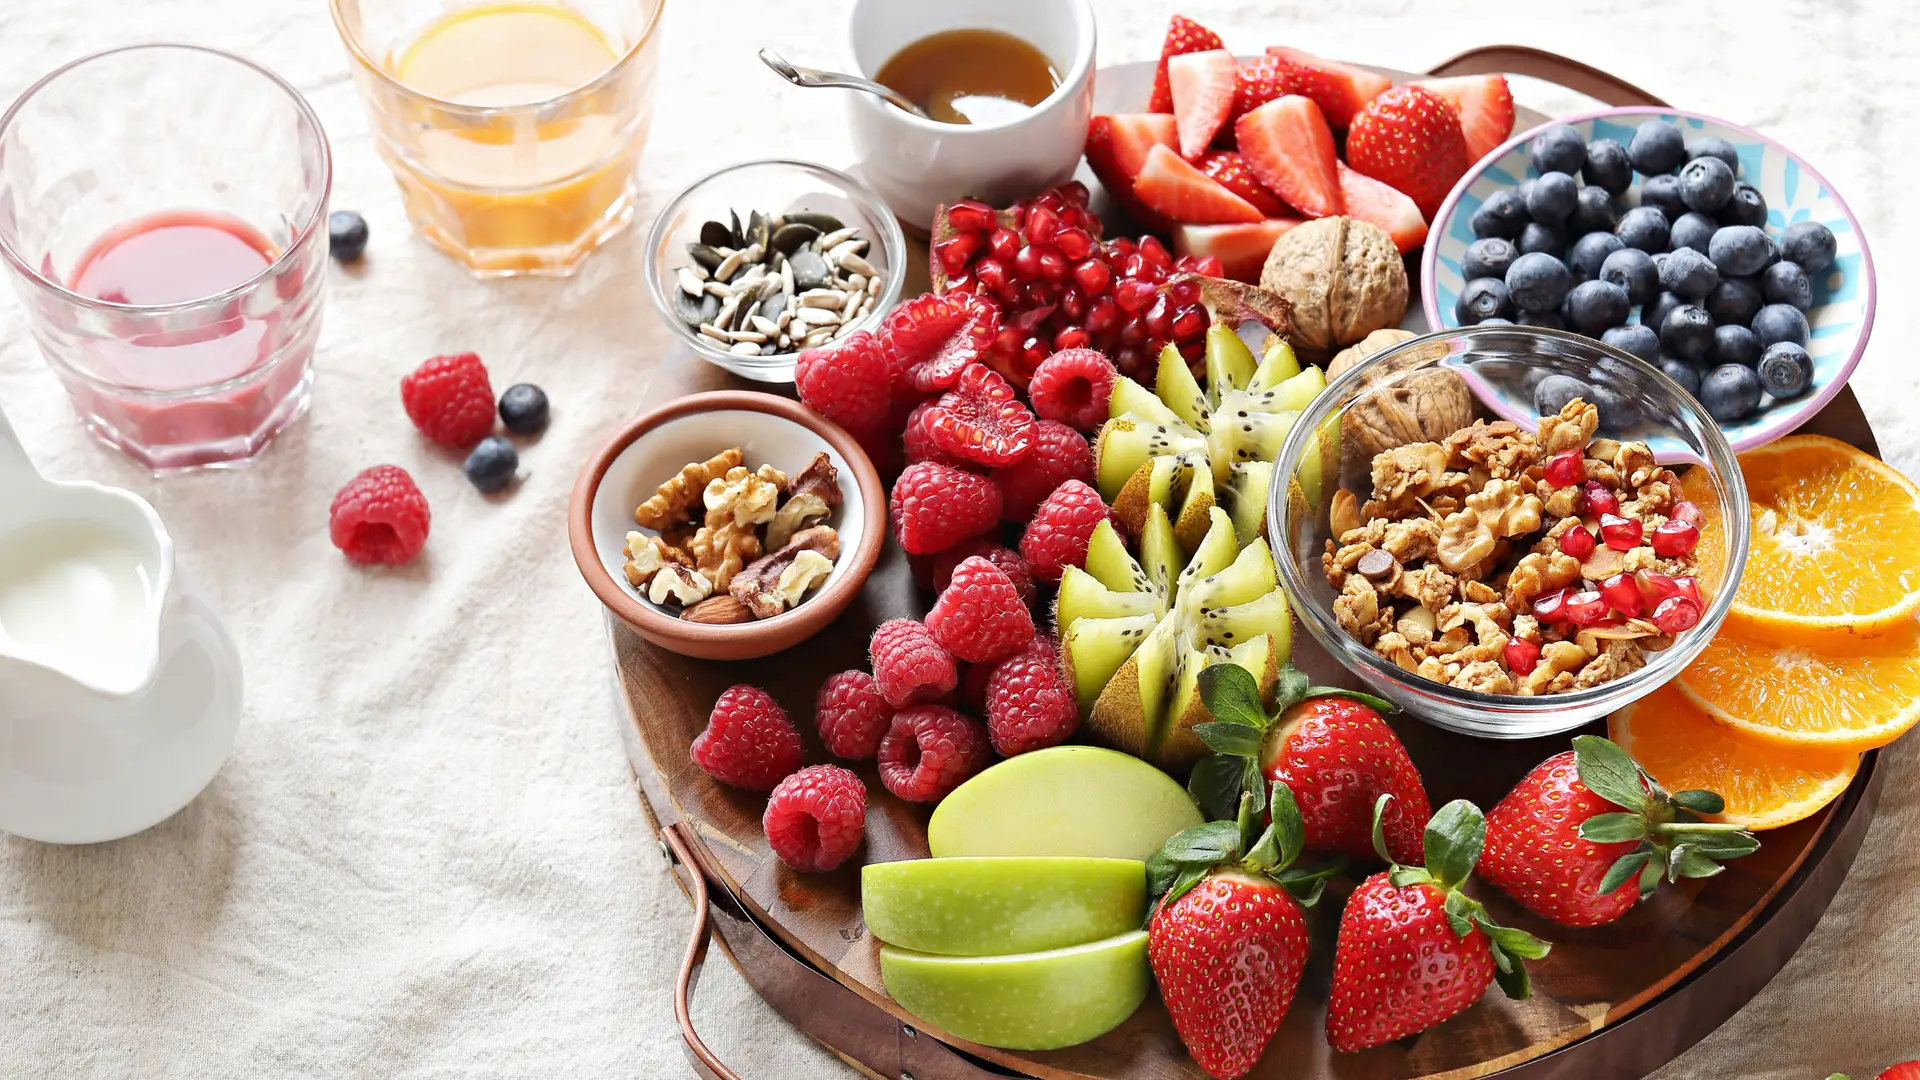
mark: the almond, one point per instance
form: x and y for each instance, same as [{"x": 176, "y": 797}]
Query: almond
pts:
[{"x": 720, "y": 609}]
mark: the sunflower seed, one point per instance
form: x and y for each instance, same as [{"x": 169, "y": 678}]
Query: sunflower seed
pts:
[
  {"x": 754, "y": 336},
  {"x": 874, "y": 285},
  {"x": 833, "y": 239},
  {"x": 816, "y": 316},
  {"x": 857, "y": 283},
  {"x": 766, "y": 326},
  {"x": 745, "y": 348},
  {"x": 786, "y": 277},
  {"x": 857, "y": 264},
  {"x": 830, "y": 299},
  {"x": 730, "y": 266},
  {"x": 779, "y": 282},
  {"x": 717, "y": 289},
  {"x": 714, "y": 332}
]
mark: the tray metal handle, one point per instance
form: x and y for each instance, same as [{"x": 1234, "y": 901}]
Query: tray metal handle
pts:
[{"x": 1554, "y": 68}]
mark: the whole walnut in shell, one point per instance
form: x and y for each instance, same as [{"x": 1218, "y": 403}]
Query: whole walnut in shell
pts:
[
  {"x": 1343, "y": 277},
  {"x": 1422, "y": 406}
]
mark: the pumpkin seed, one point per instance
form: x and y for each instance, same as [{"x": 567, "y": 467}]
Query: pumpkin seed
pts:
[
  {"x": 714, "y": 234},
  {"x": 826, "y": 223},
  {"x": 792, "y": 236}
]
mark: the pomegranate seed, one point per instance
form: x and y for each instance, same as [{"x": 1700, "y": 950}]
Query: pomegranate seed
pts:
[
  {"x": 1688, "y": 511},
  {"x": 1586, "y": 608},
  {"x": 1075, "y": 192},
  {"x": 990, "y": 273},
  {"x": 970, "y": 216},
  {"x": 962, "y": 283},
  {"x": 1209, "y": 266},
  {"x": 1033, "y": 352},
  {"x": 1026, "y": 265},
  {"x": 1601, "y": 499},
  {"x": 1676, "y": 614},
  {"x": 1159, "y": 318},
  {"x": 1072, "y": 337},
  {"x": 1053, "y": 265},
  {"x": 1156, "y": 253},
  {"x": 1133, "y": 296},
  {"x": 1005, "y": 244},
  {"x": 1192, "y": 350},
  {"x": 1623, "y": 594},
  {"x": 1007, "y": 341},
  {"x": 1191, "y": 322},
  {"x": 1521, "y": 655},
  {"x": 1073, "y": 304},
  {"x": 1031, "y": 318},
  {"x": 1675, "y": 538},
  {"x": 1184, "y": 293},
  {"x": 1122, "y": 247},
  {"x": 1577, "y": 542},
  {"x": 1133, "y": 332},
  {"x": 1551, "y": 608},
  {"x": 1566, "y": 468},
  {"x": 1103, "y": 316},
  {"x": 1621, "y": 534},
  {"x": 1042, "y": 224},
  {"x": 1689, "y": 588},
  {"x": 1092, "y": 276},
  {"x": 1075, "y": 244},
  {"x": 956, "y": 250}
]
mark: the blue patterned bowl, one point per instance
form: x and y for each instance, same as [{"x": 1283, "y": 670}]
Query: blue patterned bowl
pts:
[{"x": 1843, "y": 297}]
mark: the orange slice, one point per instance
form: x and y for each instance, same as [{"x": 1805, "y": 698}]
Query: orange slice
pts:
[
  {"x": 1797, "y": 697},
  {"x": 1835, "y": 549},
  {"x": 1766, "y": 786}
]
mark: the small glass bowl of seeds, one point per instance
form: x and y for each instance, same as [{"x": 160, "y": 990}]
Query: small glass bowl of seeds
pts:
[{"x": 754, "y": 263}]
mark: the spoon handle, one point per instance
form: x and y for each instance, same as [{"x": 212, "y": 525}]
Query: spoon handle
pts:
[{"x": 806, "y": 76}]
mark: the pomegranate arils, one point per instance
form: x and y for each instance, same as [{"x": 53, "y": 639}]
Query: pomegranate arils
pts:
[
  {"x": 1601, "y": 499},
  {"x": 1092, "y": 275},
  {"x": 1674, "y": 539},
  {"x": 1551, "y": 608},
  {"x": 1041, "y": 225},
  {"x": 1676, "y": 614},
  {"x": 1133, "y": 296},
  {"x": 1688, "y": 511},
  {"x": 1623, "y": 594},
  {"x": 1577, "y": 542},
  {"x": 1586, "y": 608},
  {"x": 1521, "y": 655},
  {"x": 1620, "y": 533},
  {"x": 1075, "y": 244},
  {"x": 1005, "y": 244},
  {"x": 1566, "y": 468},
  {"x": 969, "y": 215}
]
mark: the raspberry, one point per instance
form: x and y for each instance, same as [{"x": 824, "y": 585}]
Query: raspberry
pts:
[
  {"x": 1059, "y": 454},
  {"x": 980, "y": 420},
  {"x": 936, "y": 506},
  {"x": 852, "y": 715},
  {"x": 847, "y": 382},
  {"x": 1057, "y": 536},
  {"x": 909, "y": 665},
  {"x": 932, "y": 338},
  {"x": 980, "y": 618},
  {"x": 815, "y": 818},
  {"x": 450, "y": 400},
  {"x": 929, "y": 750},
  {"x": 1072, "y": 386},
  {"x": 939, "y": 566},
  {"x": 917, "y": 437},
  {"x": 749, "y": 742},
  {"x": 1029, "y": 705},
  {"x": 380, "y": 517}
]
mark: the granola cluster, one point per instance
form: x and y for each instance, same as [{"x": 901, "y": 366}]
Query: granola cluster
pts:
[
  {"x": 1457, "y": 555},
  {"x": 731, "y": 544}
]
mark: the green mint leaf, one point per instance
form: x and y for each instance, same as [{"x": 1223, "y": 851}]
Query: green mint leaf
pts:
[
  {"x": 1700, "y": 802},
  {"x": 1232, "y": 696},
  {"x": 1623, "y": 870},
  {"x": 1215, "y": 785},
  {"x": 1377, "y": 704},
  {"x": 1609, "y": 773},
  {"x": 1228, "y": 737},
  {"x": 1289, "y": 829},
  {"x": 1190, "y": 876},
  {"x": 1160, "y": 873},
  {"x": 1614, "y": 828},
  {"x": 1380, "y": 826},
  {"x": 1454, "y": 839},
  {"x": 1214, "y": 842},
  {"x": 1289, "y": 688}
]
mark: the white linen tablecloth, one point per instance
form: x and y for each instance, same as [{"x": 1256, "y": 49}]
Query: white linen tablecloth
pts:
[{"x": 424, "y": 858}]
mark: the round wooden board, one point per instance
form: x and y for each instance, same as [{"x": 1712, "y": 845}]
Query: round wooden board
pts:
[{"x": 1618, "y": 1001}]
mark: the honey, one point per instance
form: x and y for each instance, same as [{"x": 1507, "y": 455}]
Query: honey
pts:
[{"x": 971, "y": 76}]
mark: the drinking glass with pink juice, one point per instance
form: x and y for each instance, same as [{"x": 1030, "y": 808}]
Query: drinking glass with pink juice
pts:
[{"x": 162, "y": 213}]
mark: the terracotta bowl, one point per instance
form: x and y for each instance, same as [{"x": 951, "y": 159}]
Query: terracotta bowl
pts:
[{"x": 652, "y": 448}]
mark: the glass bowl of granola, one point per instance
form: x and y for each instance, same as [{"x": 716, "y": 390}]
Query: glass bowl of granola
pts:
[{"x": 1503, "y": 579}]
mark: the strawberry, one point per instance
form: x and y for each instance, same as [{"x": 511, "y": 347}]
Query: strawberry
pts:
[
  {"x": 1183, "y": 36},
  {"x": 1227, "y": 940},
  {"x": 1329, "y": 747},
  {"x": 1413, "y": 950},
  {"x": 1175, "y": 189},
  {"x": 1381, "y": 204},
  {"x": 1241, "y": 249},
  {"x": 1485, "y": 105},
  {"x": 1229, "y": 170},
  {"x": 1906, "y": 1070},
  {"x": 1572, "y": 838},
  {"x": 1117, "y": 149},
  {"x": 1341, "y": 90},
  {"x": 1258, "y": 81},
  {"x": 1203, "y": 94},
  {"x": 1409, "y": 137},
  {"x": 1289, "y": 147}
]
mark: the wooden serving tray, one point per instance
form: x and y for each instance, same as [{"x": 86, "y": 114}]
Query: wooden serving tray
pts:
[{"x": 1612, "y": 1002}]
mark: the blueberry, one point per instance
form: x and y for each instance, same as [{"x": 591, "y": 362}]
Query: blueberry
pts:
[
  {"x": 1559, "y": 149},
  {"x": 1730, "y": 392},
  {"x": 1684, "y": 374},
  {"x": 1688, "y": 274},
  {"x": 1546, "y": 320},
  {"x": 1654, "y": 314},
  {"x": 1735, "y": 345},
  {"x": 523, "y": 409},
  {"x": 346, "y": 235},
  {"x": 1786, "y": 370},
  {"x": 1808, "y": 243},
  {"x": 1663, "y": 194},
  {"x": 1538, "y": 282},
  {"x": 1733, "y": 302},
  {"x": 1740, "y": 250},
  {"x": 1553, "y": 197},
  {"x": 1593, "y": 306},
  {"x": 1554, "y": 391},
  {"x": 1657, "y": 147},
  {"x": 1488, "y": 257},
  {"x": 1780, "y": 322},
  {"x": 1713, "y": 146},
  {"x": 1785, "y": 283},
  {"x": 492, "y": 464},
  {"x": 1746, "y": 207},
  {"x": 1692, "y": 230},
  {"x": 1639, "y": 340},
  {"x": 1547, "y": 239},
  {"x": 1643, "y": 227},
  {"x": 1687, "y": 334},
  {"x": 1483, "y": 298},
  {"x": 1592, "y": 212},
  {"x": 1525, "y": 191},
  {"x": 1632, "y": 270},
  {"x": 1706, "y": 183},
  {"x": 1607, "y": 166},
  {"x": 1502, "y": 215},
  {"x": 1589, "y": 252},
  {"x": 1617, "y": 410}
]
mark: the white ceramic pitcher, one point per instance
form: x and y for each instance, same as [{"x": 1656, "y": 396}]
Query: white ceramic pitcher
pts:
[{"x": 120, "y": 688}]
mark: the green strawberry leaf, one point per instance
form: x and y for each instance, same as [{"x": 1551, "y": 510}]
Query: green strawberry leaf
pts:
[
  {"x": 1232, "y": 696},
  {"x": 1380, "y": 826},
  {"x": 1253, "y": 783},
  {"x": 1700, "y": 802},
  {"x": 1230, "y": 737},
  {"x": 1377, "y": 704},
  {"x": 1402, "y": 876},
  {"x": 1160, "y": 873},
  {"x": 1454, "y": 840},
  {"x": 1614, "y": 828},
  {"x": 1246, "y": 818},
  {"x": 1517, "y": 943},
  {"x": 1214, "y": 842},
  {"x": 1289, "y": 689},
  {"x": 1623, "y": 869},
  {"x": 1722, "y": 845},
  {"x": 1215, "y": 783},
  {"x": 1307, "y": 883},
  {"x": 1515, "y": 983},
  {"x": 1288, "y": 828},
  {"x": 1460, "y": 910},
  {"x": 1684, "y": 861},
  {"x": 1190, "y": 875},
  {"x": 1650, "y": 877},
  {"x": 1609, "y": 773}
]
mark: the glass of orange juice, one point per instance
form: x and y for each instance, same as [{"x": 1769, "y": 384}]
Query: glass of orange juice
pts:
[{"x": 512, "y": 126}]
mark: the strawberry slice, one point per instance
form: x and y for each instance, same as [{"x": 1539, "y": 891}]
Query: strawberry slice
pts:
[
  {"x": 1384, "y": 205},
  {"x": 980, "y": 420},
  {"x": 1183, "y": 36},
  {"x": 1339, "y": 89},
  {"x": 1230, "y": 170},
  {"x": 1289, "y": 147},
  {"x": 1171, "y": 186},
  {"x": 1241, "y": 249},
  {"x": 1117, "y": 148},
  {"x": 1485, "y": 105},
  {"x": 1409, "y": 137},
  {"x": 1203, "y": 89},
  {"x": 932, "y": 338}
]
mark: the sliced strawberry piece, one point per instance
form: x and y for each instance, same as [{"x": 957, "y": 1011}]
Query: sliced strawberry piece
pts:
[
  {"x": 1183, "y": 36},
  {"x": 1203, "y": 88},
  {"x": 934, "y": 337},
  {"x": 980, "y": 420},
  {"x": 1339, "y": 89},
  {"x": 1384, "y": 205},
  {"x": 1289, "y": 147},
  {"x": 1230, "y": 170},
  {"x": 1258, "y": 81},
  {"x": 1171, "y": 186},
  {"x": 1117, "y": 148},
  {"x": 1485, "y": 105},
  {"x": 1241, "y": 249},
  {"x": 1409, "y": 137}
]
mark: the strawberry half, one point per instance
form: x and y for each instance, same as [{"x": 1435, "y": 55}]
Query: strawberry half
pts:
[
  {"x": 1341, "y": 90},
  {"x": 1289, "y": 147},
  {"x": 1229, "y": 170},
  {"x": 1183, "y": 36},
  {"x": 1172, "y": 187},
  {"x": 980, "y": 420},
  {"x": 1241, "y": 249},
  {"x": 1117, "y": 148},
  {"x": 1410, "y": 139},
  {"x": 1203, "y": 91},
  {"x": 1369, "y": 200},
  {"x": 1485, "y": 105},
  {"x": 932, "y": 338}
]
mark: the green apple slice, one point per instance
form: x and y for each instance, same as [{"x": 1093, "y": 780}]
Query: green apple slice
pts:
[
  {"x": 1026, "y": 1001},
  {"x": 993, "y": 905},
  {"x": 1064, "y": 800}
]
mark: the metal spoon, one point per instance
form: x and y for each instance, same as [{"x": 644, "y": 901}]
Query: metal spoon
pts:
[{"x": 804, "y": 76}]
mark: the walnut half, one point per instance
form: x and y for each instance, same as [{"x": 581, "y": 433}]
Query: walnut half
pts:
[
  {"x": 680, "y": 585},
  {"x": 760, "y": 585},
  {"x": 811, "y": 497}
]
